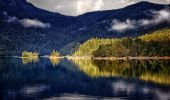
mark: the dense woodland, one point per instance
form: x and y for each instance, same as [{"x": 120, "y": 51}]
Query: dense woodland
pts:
[{"x": 151, "y": 44}]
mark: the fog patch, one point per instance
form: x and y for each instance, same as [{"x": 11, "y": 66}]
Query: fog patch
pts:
[
  {"x": 122, "y": 26},
  {"x": 9, "y": 19},
  {"x": 25, "y": 22},
  {"x": 157, "y": 18},
  {"x": 34, "y": 23}
]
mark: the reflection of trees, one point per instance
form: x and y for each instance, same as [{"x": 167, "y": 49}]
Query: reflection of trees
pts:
[
  {"x": 54, "y": 61},
  {"x": 87, "y": 66},
  {"x": 152, "y": 70},
  {"x": 100, "y": 68},
  {"x": 30, "y": 60}
]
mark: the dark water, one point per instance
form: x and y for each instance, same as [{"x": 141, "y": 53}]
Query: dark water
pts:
[{"x": 37, "y": 79}]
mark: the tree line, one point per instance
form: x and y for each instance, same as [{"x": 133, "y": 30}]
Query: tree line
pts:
[{"x": 151, "y": 44}]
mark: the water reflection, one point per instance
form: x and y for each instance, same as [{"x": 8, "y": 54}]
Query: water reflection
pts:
[
  {"x": 32, "y": 90},
  {"x": 54, "y": 61},
  {"x": 42, "y": 80},
  {"x": 30, "y": 60},
  {"x": 149, "y": 70}
]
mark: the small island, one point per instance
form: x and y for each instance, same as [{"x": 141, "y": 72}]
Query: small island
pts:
[
  {"x": 26, "y": 54},
  {"x": 54, "y": 54},
  {"x": 29, "y": 57}
]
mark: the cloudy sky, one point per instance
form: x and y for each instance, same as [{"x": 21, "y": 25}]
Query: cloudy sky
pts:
[{"x": 77, "y": 7}]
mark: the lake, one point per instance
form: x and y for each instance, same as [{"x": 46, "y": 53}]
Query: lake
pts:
[{"x": 53, "y": 79}]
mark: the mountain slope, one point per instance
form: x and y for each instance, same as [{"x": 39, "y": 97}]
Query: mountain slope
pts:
[{"x": 25, "y": 27}]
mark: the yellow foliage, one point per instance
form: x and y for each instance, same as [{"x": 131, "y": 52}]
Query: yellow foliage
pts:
[
  {"x": 87, "y": 48},
  {"x": 160, "y": 35},
  {"x": 54, "y": 54},
  {"x": 26, "y": 54}
]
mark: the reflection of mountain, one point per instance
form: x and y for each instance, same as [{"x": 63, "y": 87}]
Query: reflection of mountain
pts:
[
  {"x": 153, "y": 70},
  {"x": 25, "y": 27},
  {"x": 41, "y": 81}
]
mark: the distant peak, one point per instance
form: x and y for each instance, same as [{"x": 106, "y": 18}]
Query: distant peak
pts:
[{"x": 145, "y": 3}]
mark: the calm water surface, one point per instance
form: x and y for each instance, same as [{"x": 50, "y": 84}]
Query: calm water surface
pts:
[{"x": 53, "y": 79}]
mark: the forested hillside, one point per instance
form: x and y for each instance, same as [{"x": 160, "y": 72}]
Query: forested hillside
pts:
[{"x": 152, "y": 44}]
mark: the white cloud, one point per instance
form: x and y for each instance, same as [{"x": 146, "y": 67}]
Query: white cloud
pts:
[
  {"x": 34, "y": 23},
  {"x": 122, "y": 26},
  {"x": 25, "y": 22},
  {"x": 158, "y": 17},
  {"x": 88, "y": 5},
  {"x": 98, "y": 5},
  {"x": 59, "y": 7},
  {"x": 162, "y": 15}
]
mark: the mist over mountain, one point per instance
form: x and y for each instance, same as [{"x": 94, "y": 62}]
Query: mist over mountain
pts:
[{"x": 25, "y": 27}]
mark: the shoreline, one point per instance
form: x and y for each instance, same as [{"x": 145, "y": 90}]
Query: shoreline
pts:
[
  {"x": 52, "y": 57},
  {"x": 100, "y": 58},
  {"x": 121, "y": 58}
]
